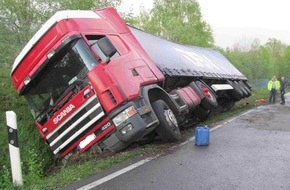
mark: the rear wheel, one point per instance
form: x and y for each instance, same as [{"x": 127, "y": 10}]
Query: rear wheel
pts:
[
  {"x": 167, "y": 129},
  {"x": 237, "y": 94},
  {"x": 209, "y": 102},
  {"x": 241, "y": 87},
  {"x": 246, "y": 88}
]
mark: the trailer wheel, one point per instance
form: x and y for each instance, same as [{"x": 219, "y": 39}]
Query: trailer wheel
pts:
[
  {"x": 237, "y": 94},
  {"x": 209, "y": 101},
  {"x": 168, "y": 129},
  {"x": 246, "y": 88},
  {"x": 247, "y": 85},
  {"x": 241, "y": 87}
]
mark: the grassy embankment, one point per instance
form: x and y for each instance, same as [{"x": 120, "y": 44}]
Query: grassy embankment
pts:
[{"x": 41, "y": 170}]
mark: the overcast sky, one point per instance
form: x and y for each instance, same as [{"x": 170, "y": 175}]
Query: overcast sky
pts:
[{"x": 240, "y": 21}]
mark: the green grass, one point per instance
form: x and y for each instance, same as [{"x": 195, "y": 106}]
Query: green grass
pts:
[
  {"x": 41, "y": 170},
  {"x": 34, "y": 153},
  {"x": 76, "y": 172}
]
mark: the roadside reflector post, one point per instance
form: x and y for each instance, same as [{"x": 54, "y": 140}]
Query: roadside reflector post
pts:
[{"x": 15, "y": 161}]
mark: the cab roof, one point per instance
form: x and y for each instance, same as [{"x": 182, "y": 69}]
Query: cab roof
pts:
[{"x": 58, "y": 16}]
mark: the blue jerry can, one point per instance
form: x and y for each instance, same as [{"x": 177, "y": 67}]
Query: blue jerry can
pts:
[{"x": 202, "y": 136}]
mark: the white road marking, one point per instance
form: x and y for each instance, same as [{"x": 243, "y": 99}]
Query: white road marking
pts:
[
  {"x": 142, "y": 162},
  {"x": 116, "y": 174}
]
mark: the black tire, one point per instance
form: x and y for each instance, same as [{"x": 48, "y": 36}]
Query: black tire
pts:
[
  {"x": 167, "y": 129},
  {"x": 209, "y": 102},
  {"x": 241, "y": 87},
  {"x": 249, "y": 86},
  {"x": 246, "y": 88},
  {"x": 237, "y": 94}
]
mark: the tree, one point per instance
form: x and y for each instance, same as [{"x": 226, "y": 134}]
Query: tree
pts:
[
  {"x": 284, "y": 63},
  {"x": 276, "y": 49},
  {"x": 261, "y": 61},
  {"x": 129, "y": 17},
  {"x": 86, "y": 4},
  {"x": 180, "y": 21},
  {"x": 18, "y": 21}
]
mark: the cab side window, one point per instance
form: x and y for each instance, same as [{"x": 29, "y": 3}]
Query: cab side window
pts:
[{"x": 93, "y": 39}]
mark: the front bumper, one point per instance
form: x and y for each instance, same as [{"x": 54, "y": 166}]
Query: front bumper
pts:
[{"x": 117, "y": 141}]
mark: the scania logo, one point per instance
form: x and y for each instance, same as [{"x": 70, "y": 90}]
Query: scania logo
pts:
[{"x": 63, "y": 113}]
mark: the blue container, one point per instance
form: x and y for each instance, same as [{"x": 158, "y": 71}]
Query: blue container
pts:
[{"x": 202, "y": 136}]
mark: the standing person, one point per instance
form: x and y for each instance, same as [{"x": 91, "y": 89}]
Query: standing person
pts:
[
  {"x": 273, "y": 86},
  {"x": 283, "y": 87}
]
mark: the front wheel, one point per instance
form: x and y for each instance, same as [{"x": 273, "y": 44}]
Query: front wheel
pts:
[{"x": 167, "y": 129}]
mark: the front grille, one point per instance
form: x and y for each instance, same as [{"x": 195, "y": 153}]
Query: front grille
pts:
[{"x": 73, "y": 128}]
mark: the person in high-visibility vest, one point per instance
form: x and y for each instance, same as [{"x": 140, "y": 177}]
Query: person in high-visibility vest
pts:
[{"x": 273, "y": 86}]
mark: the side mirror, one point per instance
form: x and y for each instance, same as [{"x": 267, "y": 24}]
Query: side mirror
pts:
[{"x": 107, "y": 47}]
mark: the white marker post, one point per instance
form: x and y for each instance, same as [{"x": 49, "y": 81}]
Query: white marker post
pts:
[{"x": 14, "y": 148}]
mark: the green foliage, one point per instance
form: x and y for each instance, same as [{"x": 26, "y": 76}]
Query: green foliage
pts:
[
  {"x": 86, "y": 4},
  {"x": 34, "y": 166},
  {"x": 262, "y": 61},
  {"x": 284, "y": 63},
  {"x": 34, "y": 153},
  {"x": 5, "y": 180},
  {"x": 19, "y": 19},
  {"x": 179, "y": 21}
]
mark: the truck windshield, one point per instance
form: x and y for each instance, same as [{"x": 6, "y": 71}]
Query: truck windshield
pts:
[{"x": 63, "y": 75}]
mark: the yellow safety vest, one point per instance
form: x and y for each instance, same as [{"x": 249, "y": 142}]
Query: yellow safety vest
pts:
[{"x": 277, "y": 85}]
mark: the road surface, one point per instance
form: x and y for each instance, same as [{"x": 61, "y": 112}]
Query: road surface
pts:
[{"x": 251, "y": 151}]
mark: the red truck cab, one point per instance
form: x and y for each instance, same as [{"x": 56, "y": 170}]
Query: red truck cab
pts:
[{"x": 80, "y": 74}]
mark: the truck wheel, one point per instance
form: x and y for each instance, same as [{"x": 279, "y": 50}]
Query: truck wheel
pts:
[
  {"x": 246, "y": 88},
  {"x": 241, "y": 87},
  {"x": 237, "y": 94},
  {"x": 209, "y": 101},
  {"x": 167, "y": 129},
  {"x": 247, "y": 85}
]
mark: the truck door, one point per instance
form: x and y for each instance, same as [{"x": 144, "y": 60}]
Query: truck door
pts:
[{"x": 126, "y": 66}]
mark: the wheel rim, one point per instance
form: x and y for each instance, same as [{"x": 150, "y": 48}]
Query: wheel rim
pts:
[
  {"x": 170, "y": 117},
  {"x": 207, "y": 93}
]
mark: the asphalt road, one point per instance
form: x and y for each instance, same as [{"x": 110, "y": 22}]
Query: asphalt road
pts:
[{"x": 251, "y": 151}]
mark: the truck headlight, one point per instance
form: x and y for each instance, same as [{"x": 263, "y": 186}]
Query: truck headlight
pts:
[{"x": 124, "y": 115}]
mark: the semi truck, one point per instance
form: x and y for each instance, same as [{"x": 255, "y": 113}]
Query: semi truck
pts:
[{"x": 91, "y": 80}]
